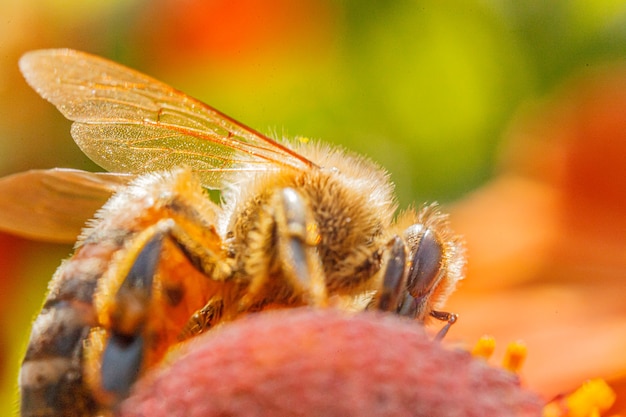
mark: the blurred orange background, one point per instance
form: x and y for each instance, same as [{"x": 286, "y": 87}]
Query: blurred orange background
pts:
[{"x": 510, "y": 114}]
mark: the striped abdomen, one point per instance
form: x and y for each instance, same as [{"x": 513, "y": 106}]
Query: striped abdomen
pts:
[{"x": 51, "y": 378}]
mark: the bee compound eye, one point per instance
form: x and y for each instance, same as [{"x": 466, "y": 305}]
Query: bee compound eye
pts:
[{"x": 426, "y": 264}]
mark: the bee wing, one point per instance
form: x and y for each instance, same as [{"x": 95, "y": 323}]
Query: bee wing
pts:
[
  {"x": 126, "y": 121},
  {"x": 53, "y": 205}
]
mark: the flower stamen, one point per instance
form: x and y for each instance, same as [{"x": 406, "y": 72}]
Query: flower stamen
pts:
[
  {"x": 515, "y": 356},
  {"x": 484, "y": 347},
  {"x": 590, "y": 400}
]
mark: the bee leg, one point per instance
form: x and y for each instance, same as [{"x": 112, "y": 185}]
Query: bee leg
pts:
[
  {"x": 297, "y": 239},
  {"x": 287, "y": 238},
  {"x": 201, "y": 257},
  {"x": 394, "y": 277},
  {"x": 450, "y": 318},
  {"x": 203, "y": 319},
  {"x": 122, "y": 356},
  {"x": 411, "y": 307}
]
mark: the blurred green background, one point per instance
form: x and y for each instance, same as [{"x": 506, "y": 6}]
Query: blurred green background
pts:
[{"x": 425, "y": 88}]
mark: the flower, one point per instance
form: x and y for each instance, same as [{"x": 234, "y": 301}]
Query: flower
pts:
[
  {"x": 547, "y": 239},
  {"x": 305, "y": 362}
]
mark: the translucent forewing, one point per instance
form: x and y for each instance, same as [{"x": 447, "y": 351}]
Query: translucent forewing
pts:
[
  {"x": 53, "y": 205},
  {"x": 128, "y": 122}
]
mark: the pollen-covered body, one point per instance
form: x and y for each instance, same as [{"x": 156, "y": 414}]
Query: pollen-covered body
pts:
[
  {"x": 352, "y": 206},
  {"x": 299, "y": 224}
]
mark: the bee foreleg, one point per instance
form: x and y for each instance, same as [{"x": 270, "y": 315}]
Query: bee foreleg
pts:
[
  {"x": 450, "y": 318},
  {"x": 393, "y": 277}
]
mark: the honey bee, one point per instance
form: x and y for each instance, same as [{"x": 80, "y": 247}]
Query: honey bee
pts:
[{"x": 299, "y": 224}]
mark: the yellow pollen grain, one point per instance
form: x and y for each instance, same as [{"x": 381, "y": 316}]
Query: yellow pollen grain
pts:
[
  {"x": 484, "y": 347},
  {"x": 591, "y": 399},
  {"x": 515, "y": 356}
]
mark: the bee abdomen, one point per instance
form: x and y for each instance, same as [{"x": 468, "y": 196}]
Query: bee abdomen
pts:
[{"x": 51, "y": 380}]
